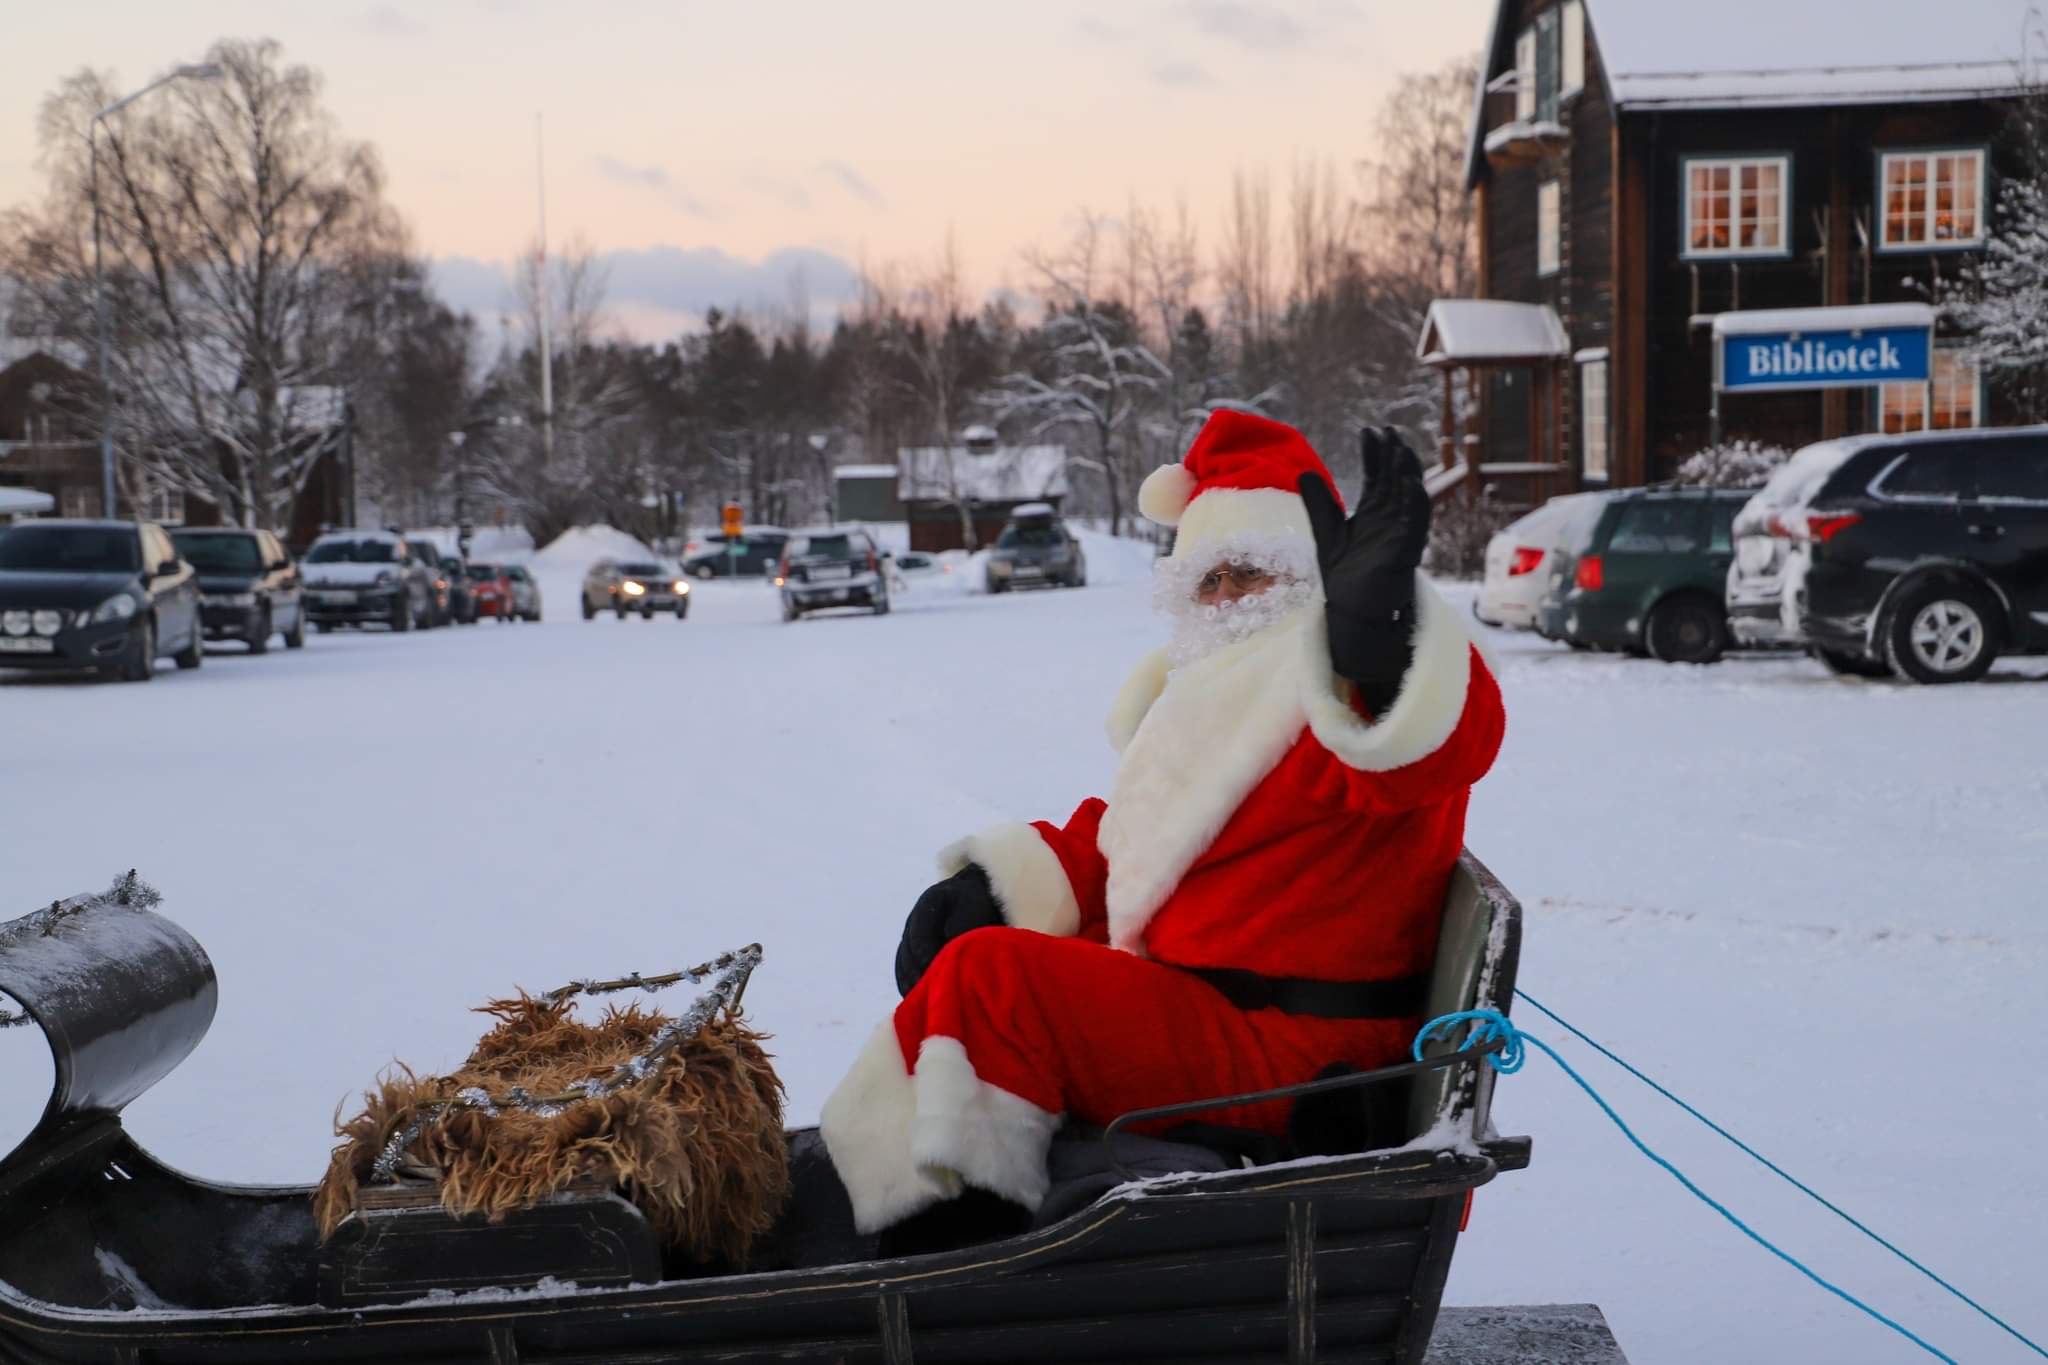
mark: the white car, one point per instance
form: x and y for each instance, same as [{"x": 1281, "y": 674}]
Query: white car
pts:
[
  {"x": 1514, "y": 559},
  {"x": 1770, "y": 561}
]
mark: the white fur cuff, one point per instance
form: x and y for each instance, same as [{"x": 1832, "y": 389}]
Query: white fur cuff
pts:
[
  {"x": 1425, "y": 711},
  {"x": 1029, "y": 881},
  {"x": 997, "y": 1141},
  {"x": 866, "y": 1126}
]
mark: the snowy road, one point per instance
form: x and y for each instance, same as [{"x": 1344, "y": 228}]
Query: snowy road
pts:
[{"x": 1814, "y": 906}]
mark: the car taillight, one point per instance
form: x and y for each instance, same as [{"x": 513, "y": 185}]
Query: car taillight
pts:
[
  {"x": 1526, "y": 560},
  {"x": 1776, "y": 527},
  {"x": 1826, "y": 528},
  {"x": 872, "y": 566},
  {"x": 1591, "y": 575}
]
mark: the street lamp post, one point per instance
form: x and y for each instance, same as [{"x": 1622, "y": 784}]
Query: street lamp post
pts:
[{"x": 207, "y": 71}]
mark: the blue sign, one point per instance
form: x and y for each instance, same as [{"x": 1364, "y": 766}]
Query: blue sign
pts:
[{"x": 1832, "y": 359}]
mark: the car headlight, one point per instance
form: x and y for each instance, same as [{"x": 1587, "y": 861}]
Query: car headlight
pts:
[
  {"x": 15, "y": 622},
  {"x": 633, "y": 589},
  {"x": 119, "y": 607},
  {"x": 682, "y": 588},
  {"x": 48, "y": 622}
]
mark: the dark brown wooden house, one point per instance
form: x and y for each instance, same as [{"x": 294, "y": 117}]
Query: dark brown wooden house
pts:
[{"x": 1644, "y": 167}]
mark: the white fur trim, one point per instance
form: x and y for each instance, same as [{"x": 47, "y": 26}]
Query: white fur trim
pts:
[
  {"x": 1135, "y": 698},
  {"x": 1030, "y": 884},
  {"x": 997, "y": 1141},
  {"x": 1425, "y": 711},
  {"x": 1164, "y": 494},
  {"x": 1212, "y": 734},
  {"x": 1223, "y": 513},
  {"x": 867, "y": 1124},
  {"x": 1176, "y": 577}
]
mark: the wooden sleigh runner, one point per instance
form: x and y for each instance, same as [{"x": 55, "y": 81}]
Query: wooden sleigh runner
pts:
[{"x": 1145, "y": 1250}]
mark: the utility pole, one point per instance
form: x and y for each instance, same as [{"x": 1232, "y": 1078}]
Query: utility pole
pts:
[{"x": 547, "y": 355}]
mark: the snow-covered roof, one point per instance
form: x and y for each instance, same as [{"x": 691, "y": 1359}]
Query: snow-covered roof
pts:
[
  {"x": 1854, "y": 317},
  {"x": 1479, "y": 331},
  {"x": 24, "y": 502},
  {"x": 1767, "y": 52},
  {"x": 1004, "y": 474},
  {"x": 864, "y": 471},
  {"x": 1544, "y": 130}
]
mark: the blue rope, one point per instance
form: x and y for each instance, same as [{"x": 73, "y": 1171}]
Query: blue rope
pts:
[
  {"x": 1788, "y": 1177},
  {"x": 1494, "y": 1024}
]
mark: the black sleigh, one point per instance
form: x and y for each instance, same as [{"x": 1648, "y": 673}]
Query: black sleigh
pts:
[{"x": 1146, "y": 1250}]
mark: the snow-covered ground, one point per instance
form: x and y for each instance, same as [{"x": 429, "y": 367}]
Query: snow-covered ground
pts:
[{"x": 1812, "y": 905}]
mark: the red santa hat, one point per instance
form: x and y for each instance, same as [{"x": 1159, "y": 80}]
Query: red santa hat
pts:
[{"x": 1235, "y": 496}]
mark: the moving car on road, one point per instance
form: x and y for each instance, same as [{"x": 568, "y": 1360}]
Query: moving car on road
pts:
[
  {"x": 1645, "y": 575},
  {"x": 1036, "y": 548},
  {"x": 831, "y": 566},
  {"x": 641, "y": 585},
  {"x": 248, "y": 586},
  {"x": 110, "y": 595},
  {"x": 461, "y": 604},
  {"x": 1924, "y": 555},
  {"x": 760, "y": 548},
  {"x": 356, "y": 577}
]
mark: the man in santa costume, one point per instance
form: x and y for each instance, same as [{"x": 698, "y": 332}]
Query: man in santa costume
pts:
[{"x": 1259, "y": 896}]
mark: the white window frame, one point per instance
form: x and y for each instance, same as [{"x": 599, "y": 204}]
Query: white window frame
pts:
[
  {"x": 1885, "y": 162},
  {"x": 1918, "y": 398},
  {"x": 1594, "y": 463},
  {"x": 1549, "y": 227},
  {"x": 1525, "y": 76},
  {"x": 79, "y": 500},
  {"x": 1571, "y": 78},
  {"x": 1735, "y": 166},
  {"x": 162, "y": 504}
]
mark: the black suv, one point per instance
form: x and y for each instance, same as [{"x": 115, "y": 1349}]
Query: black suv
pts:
[
  {"x": 1925, "y": 556},
  {"x": 111, "y": 595},
  {"x": 248, "y": 585}
]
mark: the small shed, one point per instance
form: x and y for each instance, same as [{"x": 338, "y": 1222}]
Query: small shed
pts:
[
  {"x": 989, "y": 480},
  {"x": 1485, "y": 335},
  {"x": 865, "y": 492}
]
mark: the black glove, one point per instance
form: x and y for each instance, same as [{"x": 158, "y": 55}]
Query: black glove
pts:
[
  {"x": 1369, "y": 565},
  {"x": 945, "y": 911}
]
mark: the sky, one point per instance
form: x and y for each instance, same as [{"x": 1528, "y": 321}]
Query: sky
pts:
[{"x": 711, "y": 152}]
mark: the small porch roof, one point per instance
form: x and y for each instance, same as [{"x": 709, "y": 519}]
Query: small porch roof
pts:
[{"x": 1465, "y": 332}]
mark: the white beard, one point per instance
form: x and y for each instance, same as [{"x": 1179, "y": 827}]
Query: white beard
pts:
[{"x": 1200, "y": 631}]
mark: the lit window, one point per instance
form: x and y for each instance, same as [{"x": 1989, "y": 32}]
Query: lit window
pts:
[
  {"x": 1574, "y": 46},
  {"x": 1593, "y": 419},
  {"x": 1547, "y": 228},
  {"x": 1525, "y": 75},
  {"x": 1947, "y": 403},
  {"x": 1933, "y": 199},
  {"x": 1736, "y": 207}
]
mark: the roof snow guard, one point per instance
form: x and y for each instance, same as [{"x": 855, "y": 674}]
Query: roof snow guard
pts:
[{"x": 1459, "y": 332}]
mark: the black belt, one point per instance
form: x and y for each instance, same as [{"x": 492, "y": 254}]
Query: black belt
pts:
[{"x": 1399, "y": 997}]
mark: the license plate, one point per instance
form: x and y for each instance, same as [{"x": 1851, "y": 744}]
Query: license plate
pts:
[
  {"x": 1026, "y": 571},
  {"x": 833, "y": 571},
  {"x": 337, "y": 599},
  {"x": 29, "y": 644}
]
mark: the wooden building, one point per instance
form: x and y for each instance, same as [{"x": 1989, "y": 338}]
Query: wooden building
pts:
[
  {"x": 1643, "y": 168},
  {"x": 988, "y": 479}
]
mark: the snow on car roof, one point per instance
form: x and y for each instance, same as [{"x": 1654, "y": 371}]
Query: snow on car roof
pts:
[{"x": 1033, "y": 509}]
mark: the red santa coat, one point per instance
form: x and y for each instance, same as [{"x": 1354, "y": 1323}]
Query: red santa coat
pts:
[{"x": 1258, "y": 820}]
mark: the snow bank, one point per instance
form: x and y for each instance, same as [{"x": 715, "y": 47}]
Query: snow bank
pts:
[{"x": 576, "y": 547}]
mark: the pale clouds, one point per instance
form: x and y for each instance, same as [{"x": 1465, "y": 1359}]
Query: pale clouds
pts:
[
  {"x": 1267, "y": 25},
  {"x": 654, "y": 178}
]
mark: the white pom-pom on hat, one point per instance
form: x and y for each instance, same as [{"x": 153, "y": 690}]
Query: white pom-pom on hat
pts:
[{"x": 1165, "y": 494}]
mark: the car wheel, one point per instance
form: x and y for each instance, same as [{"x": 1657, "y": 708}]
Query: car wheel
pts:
[
  {"x": 1843, "y": 664},
  {"x": 682, "y": 610},
  {"x": 1942, "y": 633},
  {"x": 622, "y": 611},
  {"x": 194, "y": 652},
  {"x": 882, "y": 605},
  {"x": 704, "y": 573},
  {"x": 401, "y": 615},
  {"x": 259, "y": 643},
  {"x": 138, "y": 662},
  {"x": 297, "y": 638},
  {"x": 589, "y": 612},
  {"x": 323, "y": 626},
  {"x": 1687, "y": 630},
  {"x": 789, "y": 611},
  {"x": 647, "y": 612}
]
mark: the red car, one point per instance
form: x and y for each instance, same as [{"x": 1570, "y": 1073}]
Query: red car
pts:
[{"x": 492, "y": 591}]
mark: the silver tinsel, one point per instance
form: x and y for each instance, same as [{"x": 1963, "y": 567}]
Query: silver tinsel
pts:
[{"x": 731, "y": 972}]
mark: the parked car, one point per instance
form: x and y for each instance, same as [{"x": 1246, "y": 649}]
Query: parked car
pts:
[
  {"x": 831, "y": 566},
  {"x": 525, "y": 592},
  {"x": 760, "y": 550},
  {"x": 248, "y": 586},
  {"x": 1924, "y": 556},
  {"x": 109, "y": 595},
  {"x": 1515, "y": 561},
  {"x": 491, "y": 590},
  {"x": 1645, "y": 574},
  {"x": 440, "y": 583},
  {"x": 641, "y": 585},
  {"x": 361, "y": 576},
  {"x": 461, "y": 602},
  {"x": 912, "y": 565},
  {"x": 1036, "y": 548}
]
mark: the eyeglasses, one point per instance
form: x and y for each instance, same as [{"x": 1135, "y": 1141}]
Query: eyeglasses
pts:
[{"x": 1243, "y": 577}]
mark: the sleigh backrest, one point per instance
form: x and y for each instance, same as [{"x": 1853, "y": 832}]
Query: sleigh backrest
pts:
[
  {"x": 122, "y": 995},
  {"x": 1477, "y": 948}
]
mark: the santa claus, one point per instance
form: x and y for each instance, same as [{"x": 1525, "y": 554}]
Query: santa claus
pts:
[{"x": 1257, "y": 899}]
